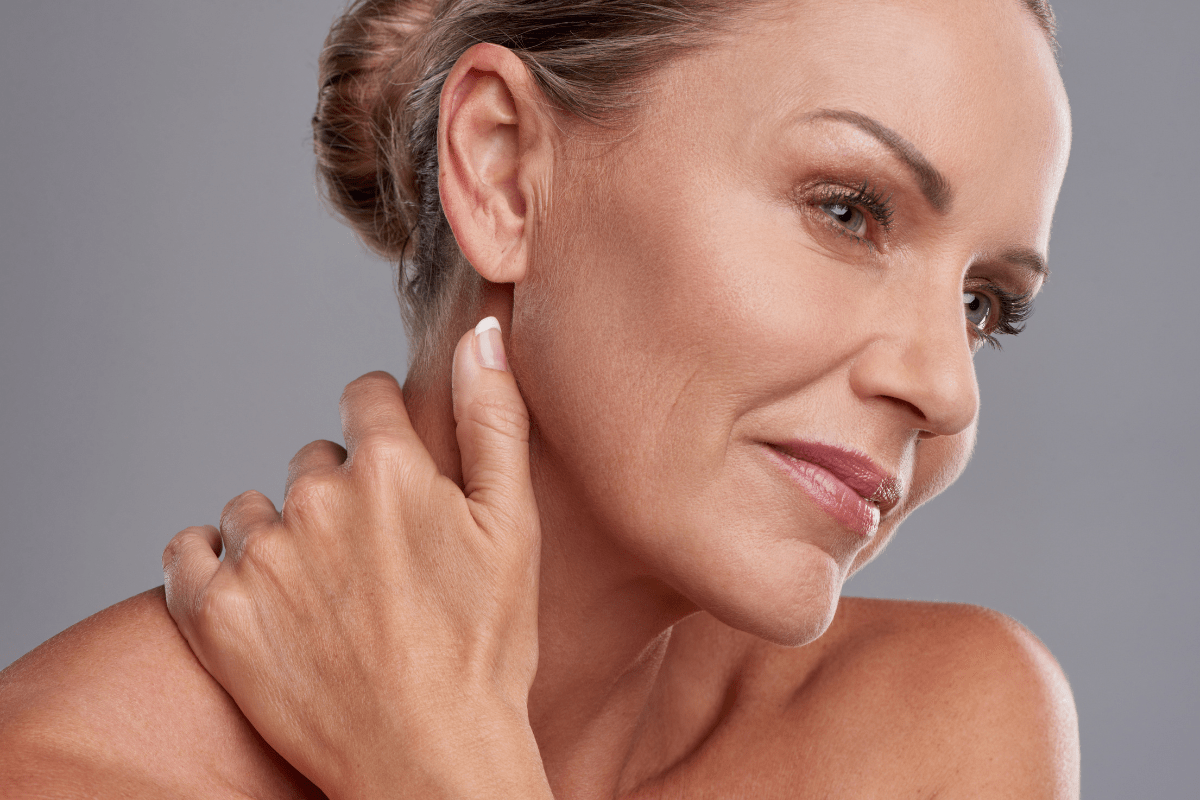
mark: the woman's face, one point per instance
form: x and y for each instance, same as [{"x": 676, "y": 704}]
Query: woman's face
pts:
[{"x": 775, "y": 259}]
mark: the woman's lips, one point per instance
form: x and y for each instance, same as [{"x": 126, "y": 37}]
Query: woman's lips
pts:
[{"x": 846, "y": 485}]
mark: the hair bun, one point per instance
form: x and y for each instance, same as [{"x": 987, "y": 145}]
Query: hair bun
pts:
[{"x": 368, "y": 66}]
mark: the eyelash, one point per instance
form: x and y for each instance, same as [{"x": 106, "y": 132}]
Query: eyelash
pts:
[
  {"x": 1014, "y": 309},
  {"x": 864, "y": 197}
]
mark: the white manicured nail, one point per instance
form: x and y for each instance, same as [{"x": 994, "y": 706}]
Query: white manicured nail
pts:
[{"x": 490, "y": 345}]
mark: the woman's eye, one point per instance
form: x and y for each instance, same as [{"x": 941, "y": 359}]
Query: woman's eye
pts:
[
  {"x": 979, "y": 308},
  {"x": 847, "y": 216}
]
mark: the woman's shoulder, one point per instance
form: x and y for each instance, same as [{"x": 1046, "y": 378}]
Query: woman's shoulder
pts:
[
  {"x": 961, "y": 665},
  {"x": 896, "y": 639},
  {"x": 118, "y": 706},
  {"x": 903, "y": 697},
  {"x": 952, "y": 697}
]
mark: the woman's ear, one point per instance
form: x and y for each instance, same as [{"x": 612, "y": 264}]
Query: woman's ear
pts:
[{"x": 493, "y": 159}]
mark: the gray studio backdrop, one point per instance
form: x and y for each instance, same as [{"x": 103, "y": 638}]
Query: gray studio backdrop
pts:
[{"x": 178, "y": 316}]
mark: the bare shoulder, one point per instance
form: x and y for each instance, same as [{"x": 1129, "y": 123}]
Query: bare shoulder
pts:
[
  {"x": 952, "y": 651},
  {"x": 963, "y": 698},
  {"x": 902, "y": 699},
  {"x": 980, "y": 669},
  {"x": 117, "y": 706}
]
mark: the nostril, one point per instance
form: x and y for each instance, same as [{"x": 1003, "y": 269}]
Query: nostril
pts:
[
  {"x": 928, "y": 381},
  {"x": 911, "y": 408}
]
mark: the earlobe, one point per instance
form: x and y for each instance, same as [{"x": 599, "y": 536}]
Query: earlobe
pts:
[{"x": 484, "y": 149}]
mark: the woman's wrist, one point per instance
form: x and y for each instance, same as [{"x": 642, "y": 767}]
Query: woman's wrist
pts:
[{"x": 468, "y": 755}]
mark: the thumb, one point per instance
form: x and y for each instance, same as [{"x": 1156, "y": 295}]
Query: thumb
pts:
[{"x": 493, "y": 434}]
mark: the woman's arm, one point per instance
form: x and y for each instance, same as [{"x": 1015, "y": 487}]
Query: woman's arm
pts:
[
  {"x": 117, "y": 706},
  {"x": 381, "y": 631}
]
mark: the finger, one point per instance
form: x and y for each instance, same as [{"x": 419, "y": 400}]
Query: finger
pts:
[
  {"x": 373, "y": 412},
  {"x": 189, "y": 562},
  {"x": 244, "y": 515},
  {"x": 314, "y": 456},
  {"x": 493, "y": 433}
]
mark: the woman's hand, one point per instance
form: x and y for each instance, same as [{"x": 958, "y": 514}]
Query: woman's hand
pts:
[{"x": 381, "y": 631}]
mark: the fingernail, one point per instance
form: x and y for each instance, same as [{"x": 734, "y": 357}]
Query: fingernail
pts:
[{"x": 490, "y": 348}]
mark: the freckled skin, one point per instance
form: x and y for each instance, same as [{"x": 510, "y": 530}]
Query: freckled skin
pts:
[{"x": 688, "y": 297}]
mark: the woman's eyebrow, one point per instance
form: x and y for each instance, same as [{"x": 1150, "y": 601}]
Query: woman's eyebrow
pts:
[
  {"x": 1027, "y": 259},
  {"x": 933, "y": 184}
]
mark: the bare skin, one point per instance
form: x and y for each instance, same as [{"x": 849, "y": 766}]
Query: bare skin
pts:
[
  {"x": 118, "y": 707},
  {"x": 662, "y": 669}
]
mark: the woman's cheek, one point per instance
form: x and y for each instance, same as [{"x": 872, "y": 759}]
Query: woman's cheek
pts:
[{"x": 939, "y": 462}]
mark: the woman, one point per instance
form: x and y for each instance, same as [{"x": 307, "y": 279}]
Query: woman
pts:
[{"x": 741, "y": 257}]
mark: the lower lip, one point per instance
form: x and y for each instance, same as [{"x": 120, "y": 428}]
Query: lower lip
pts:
[{"x": 833, "y": 497}]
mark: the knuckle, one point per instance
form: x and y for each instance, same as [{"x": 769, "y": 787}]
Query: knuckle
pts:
[
  {"x": 174, "y": 550},
  {"x": 261, "y": 549},
  {"x": 312, "y": 494},
  {"x": 381, "y": 453},
  {"x": 510, "y": 515},
  {"x": 379, "y": 377},
  {"x": 182, "y": 545},
  {"x": 233, "y": 507},
  {"x": 366, "y": 384},
  {"x": 496, "y": 413},
  {"x": 305, "y": 454}
]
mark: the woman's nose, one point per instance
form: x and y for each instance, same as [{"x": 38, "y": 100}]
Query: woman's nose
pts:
[{"x": 923, "y": 363}]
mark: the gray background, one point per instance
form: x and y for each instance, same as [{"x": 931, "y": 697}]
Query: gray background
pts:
[{"x": 178, "y": 316}]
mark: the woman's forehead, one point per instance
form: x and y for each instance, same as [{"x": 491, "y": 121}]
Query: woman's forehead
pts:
[
  {"x": 972, "y": 85},
  {"x": 926, "y": 64}
]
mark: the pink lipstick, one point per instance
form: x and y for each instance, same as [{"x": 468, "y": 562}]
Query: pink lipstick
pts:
[{"x": 846, "y": 485}]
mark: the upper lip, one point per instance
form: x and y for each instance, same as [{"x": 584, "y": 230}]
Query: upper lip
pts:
[{"x": 852, "y": 468}]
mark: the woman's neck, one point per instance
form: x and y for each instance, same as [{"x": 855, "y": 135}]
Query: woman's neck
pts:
[{"x": 603, "y": 629}]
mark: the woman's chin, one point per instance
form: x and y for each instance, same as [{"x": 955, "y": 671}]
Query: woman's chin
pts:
[{"x": 789, "y": 605}]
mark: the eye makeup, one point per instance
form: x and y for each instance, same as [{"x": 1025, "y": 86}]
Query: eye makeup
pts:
[
  {"x": 1008, "y": 315},
  {"x": 845, "y": 198},
  {"x": 850, "y": 209},
  {"x": 864, "y": 196}
]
